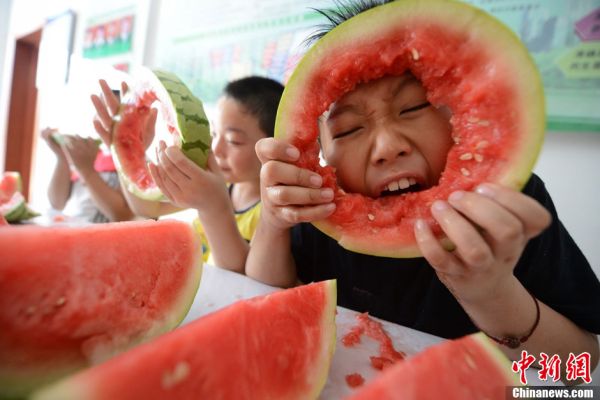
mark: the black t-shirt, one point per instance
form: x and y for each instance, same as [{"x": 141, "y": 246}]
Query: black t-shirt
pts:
[{"x": 408, "y": 292}]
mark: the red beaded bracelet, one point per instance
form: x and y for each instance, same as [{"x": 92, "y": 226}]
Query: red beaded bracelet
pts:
[{"x": 514, "y": 342}]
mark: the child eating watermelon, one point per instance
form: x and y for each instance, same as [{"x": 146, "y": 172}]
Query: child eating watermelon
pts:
[
  {"x": 515, "y": 272},
  {"x": 227, "y": 213}
]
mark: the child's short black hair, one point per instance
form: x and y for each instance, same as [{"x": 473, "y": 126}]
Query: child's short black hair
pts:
[
  {"x": 343, "y": 11},
  {"x": 261, "y": 98}
]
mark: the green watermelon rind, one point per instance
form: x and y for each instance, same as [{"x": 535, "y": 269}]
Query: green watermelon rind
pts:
[
  {"x": 15, "y": 387},
  {"x": 191, "y": 118},
  {"x": 353, "y": 33},
  {"x": 183, "y": 111},
  {"x": 17, "y": 209}
]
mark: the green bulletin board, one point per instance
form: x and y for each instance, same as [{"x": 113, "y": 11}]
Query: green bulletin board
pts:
[
  {"x": 566, "y": 48},
  {"x": 210, "y": 45}
]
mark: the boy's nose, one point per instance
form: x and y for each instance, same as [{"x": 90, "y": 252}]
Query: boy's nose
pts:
[
  {"x": 217, "y": 145},
  {"x": 388, "y": 145}
]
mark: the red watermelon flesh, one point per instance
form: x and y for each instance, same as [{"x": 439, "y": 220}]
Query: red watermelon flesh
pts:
[
  {"x": 9, "y": 185},
  {"x": 468, "y": 368},
  {"x": 277, "y": 346},
  {"x": 71, "y": 297},
  {"x": 467, "y": 61},
  {"x": 3, "y": 220}
]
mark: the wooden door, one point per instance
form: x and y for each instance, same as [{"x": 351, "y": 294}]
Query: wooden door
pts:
[{"x": 22, "y": 127}]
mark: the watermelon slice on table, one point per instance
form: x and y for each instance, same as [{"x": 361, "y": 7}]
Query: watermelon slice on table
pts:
[
  {"x": 181, "y": 112},
  {"x": 10, "y": 184},
  {"x": 467, "y": 61},
  {"x": 74, "y": 296},
  {"x": 13, "y": 206},
  {"x": 277, "y": 346},
  {"x": 468, "y": 368}
]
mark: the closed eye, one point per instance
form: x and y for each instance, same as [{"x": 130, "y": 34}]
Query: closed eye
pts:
[
  {"x": 415, "y": 108},
  {"x": 346, "y": 133}
]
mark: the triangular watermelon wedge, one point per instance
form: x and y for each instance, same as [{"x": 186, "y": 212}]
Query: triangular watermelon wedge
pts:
[
  {"x": 277, "y": 346},
  {"x": 468, "y": 368},
  {"x": 74, "y": 296}
]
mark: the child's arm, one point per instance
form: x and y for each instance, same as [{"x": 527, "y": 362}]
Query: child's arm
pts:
[
  {"x": 60, "y": 183},
  {"x": 490, "y": 228},
  {"x": 189, "y": 186},
  {"x": 289, "y": 195},
  {"x": 106, "y": 106},
  {"x": 110, "y": 201}
]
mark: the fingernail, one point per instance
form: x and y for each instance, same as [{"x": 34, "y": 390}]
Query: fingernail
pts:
[
  {"x": 420, "y": 224},
  {"x": 456, "y": 196},
  {"x": 316, "y": 180},
  {"x": 439, "y": 205},
  {"x": 485, "y": 190},
  {"x": 330, "y": 207},
  {"x": 327, "y": 193},
  {"x": 292, "y": 152}
]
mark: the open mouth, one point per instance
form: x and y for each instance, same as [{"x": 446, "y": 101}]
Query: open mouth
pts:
[{"x": 401, "y": 186}]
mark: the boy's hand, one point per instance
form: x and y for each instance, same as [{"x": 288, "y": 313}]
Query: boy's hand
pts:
[
  {"x": 107, "y": 106},
  {"x": 289, "y": 194},
  {"x": 81, "y": 153},
  {"x": 53, "y": 144},
  {"x": 187, "y": 185},
  {"x": 490, "y": 228}
]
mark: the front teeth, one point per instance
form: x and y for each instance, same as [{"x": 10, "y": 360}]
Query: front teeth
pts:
[{"x": 401, "y": 184}]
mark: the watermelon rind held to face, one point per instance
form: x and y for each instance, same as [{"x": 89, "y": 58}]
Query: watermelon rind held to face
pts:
[
  {"x": 181, "y": 122},
  {"x": 469, "y": 66}
]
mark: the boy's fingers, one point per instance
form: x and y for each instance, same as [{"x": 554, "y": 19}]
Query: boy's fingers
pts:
[
  {"x": 505, "y": 231},
  {"x": 470, "y": 244},
  {"x": 124, "y": 88},
  {"x": 534, "y": 217},
  {"x": 181, "y": 162},
  {"x": 294, "y": 195},
  {"x": 295, "y": 215},
  {"x": 101, "y": 112},
  {"x": 171, "y": 169},
  {"x": 166, "y": 186},
  {"x": 281, "y": 173},
  {"x": 273, "y": 149},
  {"x": 112, "y": 102},
  {"x": 440, "y": 259},
  {"x": 103, "y": 133}
]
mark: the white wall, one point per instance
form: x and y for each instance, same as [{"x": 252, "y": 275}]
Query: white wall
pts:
[
  {"x": 5, "y": 13},
  {"x": 570, "y": 166}
]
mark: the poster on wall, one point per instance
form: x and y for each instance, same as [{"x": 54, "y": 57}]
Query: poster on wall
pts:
[
  {"x": 110, "y": 37},
  {"x": 266, "y": 38}
]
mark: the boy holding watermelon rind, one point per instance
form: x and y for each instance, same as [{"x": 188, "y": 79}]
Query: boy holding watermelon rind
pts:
[
  {"x": 92, "y": 193},
  {"x": 515, "y": 271},
  {"x": 227, "y": 214}
]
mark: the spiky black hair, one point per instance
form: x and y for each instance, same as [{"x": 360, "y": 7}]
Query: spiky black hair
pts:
[{"x": 343, "y": 10}]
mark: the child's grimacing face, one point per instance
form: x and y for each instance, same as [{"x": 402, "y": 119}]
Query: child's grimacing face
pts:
[
  {"x": 383, "y": 136},
  {"x": 235, "y": 132}
]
